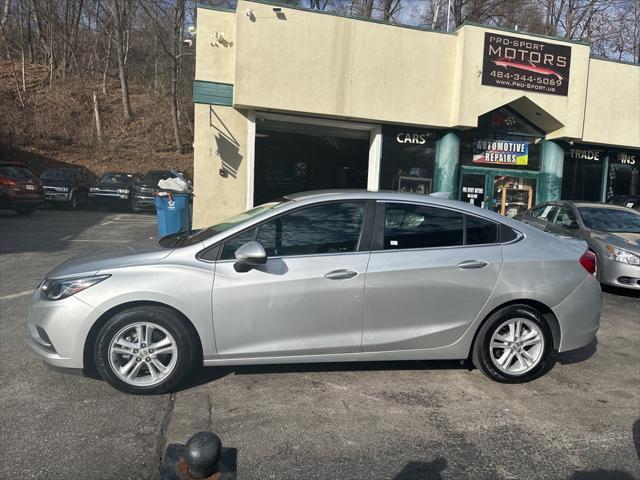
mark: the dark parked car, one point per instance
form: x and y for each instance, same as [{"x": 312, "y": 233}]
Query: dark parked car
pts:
[
  {"x": 20, "y": 190},
  {"x": 67, "y": 186},
  {"x": 114, "y": 189},
  {"x": 612, "y": 233},
  {"x": 629, "y": 201},
  {"x": 145, "y": 189}
]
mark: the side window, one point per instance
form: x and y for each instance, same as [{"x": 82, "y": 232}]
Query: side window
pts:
[
  {"x": 419, "y": 226},
  {"x": 480, "y": 231},
  {"x": 544, "y": 212},
  {"x": 565, "y": 217},
  {"x": 232, "y": 244},
  {"x": 328, "y": 228}
]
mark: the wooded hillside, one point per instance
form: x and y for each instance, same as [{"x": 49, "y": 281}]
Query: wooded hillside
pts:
[{"x": 107, "y": 83}]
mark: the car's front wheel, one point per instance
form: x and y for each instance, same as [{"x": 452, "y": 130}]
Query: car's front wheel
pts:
[
  {"x": 513, "y": 345},
  {"x": 144, "y": 350}
]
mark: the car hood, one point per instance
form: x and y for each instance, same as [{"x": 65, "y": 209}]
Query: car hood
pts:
[
  {"x": 147, "y": 185},
  {"x": 620, "y": 239},
  {"x": 94, "y": 261},
  {"x": 56, "y": 183}
]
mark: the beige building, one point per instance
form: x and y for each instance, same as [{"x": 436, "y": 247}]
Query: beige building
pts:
[{"x": 289, "y": 99}]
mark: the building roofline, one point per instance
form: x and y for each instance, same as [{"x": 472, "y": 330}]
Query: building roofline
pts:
[
  {"x": 605, "y": 59},
  {"x": 523, "y": 32}
]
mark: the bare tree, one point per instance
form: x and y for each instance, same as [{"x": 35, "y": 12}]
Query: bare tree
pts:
[{"x": 121, "y": 10}]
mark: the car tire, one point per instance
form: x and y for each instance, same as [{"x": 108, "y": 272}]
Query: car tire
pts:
[
  {"x": 24, "y": 211},
  {"x": 506, "y": 356},
  {"x": 129, "y": 364}
]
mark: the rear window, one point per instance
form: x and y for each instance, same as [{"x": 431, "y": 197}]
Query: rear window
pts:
[{"x": 14, "y": 171}]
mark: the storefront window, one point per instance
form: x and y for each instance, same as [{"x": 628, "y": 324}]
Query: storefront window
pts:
[
  {"x": 624, "y": 174},
  {"x": 582, "y": 174},
  {"x": 408, "y": 160},
  {"x": 292, "y": 158}
]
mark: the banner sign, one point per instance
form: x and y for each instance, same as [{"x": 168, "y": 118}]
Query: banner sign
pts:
[
  {"x": 501, "y": 152},
  {"x": 525, "y": 64}
]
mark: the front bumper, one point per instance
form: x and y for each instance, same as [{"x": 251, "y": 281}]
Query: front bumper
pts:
[
  {"x": 57, "y": 196},
  {"x": 141, "y": 202},
  {"x": 619, "y": 274},
  {"x": 579, "y": 315},
  {"x": 58, "y": 329}
]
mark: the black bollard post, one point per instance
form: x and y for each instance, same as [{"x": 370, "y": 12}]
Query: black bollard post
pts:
[
  {"x": 201, "y": 458},
  {"x": 202, "y": 454}
]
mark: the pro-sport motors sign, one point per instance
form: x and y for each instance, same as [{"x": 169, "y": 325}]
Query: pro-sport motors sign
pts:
[{"x": 524, "y": 64}]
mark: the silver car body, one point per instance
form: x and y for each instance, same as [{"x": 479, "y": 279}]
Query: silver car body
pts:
[
  {"x": 610, "y": 272},
  {"x": 400, "y": 304}
]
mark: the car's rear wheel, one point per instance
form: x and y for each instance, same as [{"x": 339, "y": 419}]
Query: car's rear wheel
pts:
[
  {"x": 144, "y": 350},
  {"x": 513, "y": 345}
]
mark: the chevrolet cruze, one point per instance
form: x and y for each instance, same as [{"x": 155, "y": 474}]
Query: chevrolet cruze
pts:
[{"x": 318, "y": 277}]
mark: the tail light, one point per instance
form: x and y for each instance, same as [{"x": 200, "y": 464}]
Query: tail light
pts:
[
  {"x": 588, "y": 262},
  {"x": 9, "y": 182}
]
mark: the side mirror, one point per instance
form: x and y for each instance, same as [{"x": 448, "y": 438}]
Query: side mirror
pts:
[
  {"x": 573, "y": 226},
  {"x": 251, "y": 253}
]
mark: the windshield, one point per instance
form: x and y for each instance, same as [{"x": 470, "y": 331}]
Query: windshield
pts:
[
  {"x": 58, "y": 175},
  {"x": 610, "y": 220},
  {"x": 117, "y": 178},
  {"x": 152, "y": 178},
  {"x": 184, "y": 239}
]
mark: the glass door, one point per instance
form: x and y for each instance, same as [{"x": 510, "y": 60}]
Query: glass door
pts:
[
  {"x": 506, "y": 192},
  {"x": 512, "y": 194}
]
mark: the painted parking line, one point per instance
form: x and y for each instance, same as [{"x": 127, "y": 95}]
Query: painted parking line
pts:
[
  {"x": 16, "y": 295},
  {"x": 98, "y": 240}
]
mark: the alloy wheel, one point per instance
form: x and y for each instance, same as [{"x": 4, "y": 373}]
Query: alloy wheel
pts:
[
  {"x": 143, "y": 354},
  {"x": 516, "y": 346}
]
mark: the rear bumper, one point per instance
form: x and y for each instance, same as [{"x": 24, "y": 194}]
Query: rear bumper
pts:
[
  {"x": 579, "y": 315},
  {"x": 619, "y": 274},
  {"x": 10, "y": 201}
]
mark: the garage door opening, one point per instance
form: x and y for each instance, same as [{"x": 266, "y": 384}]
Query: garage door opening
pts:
[{"x": 292, "y": 158}]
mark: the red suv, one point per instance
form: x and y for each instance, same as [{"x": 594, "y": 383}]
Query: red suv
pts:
[{"x": 20, "y": 190}]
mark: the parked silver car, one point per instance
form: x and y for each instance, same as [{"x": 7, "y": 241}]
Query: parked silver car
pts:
[
  {"x": 319, "y": 277},
  {"x": 612, "y": 233}
]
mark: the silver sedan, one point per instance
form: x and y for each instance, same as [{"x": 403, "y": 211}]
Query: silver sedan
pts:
[
  {"x": 612, "y": 233},
  {"x": 323, "y": 277}
]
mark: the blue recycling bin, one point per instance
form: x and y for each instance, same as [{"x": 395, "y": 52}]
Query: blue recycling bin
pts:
[{"x": 174, "y": 214}]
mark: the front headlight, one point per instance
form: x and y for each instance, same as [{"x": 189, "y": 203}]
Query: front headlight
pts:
[
  {"x": 123, "y": 191},
  {"x": 93, "y": 189},
  {"x": 59, "y": 289},
  {"x": 621, "y": 255}
]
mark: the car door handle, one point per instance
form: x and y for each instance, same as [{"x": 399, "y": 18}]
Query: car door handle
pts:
[
  {"x": 469, "y": 264},
  {"x": 340, "y": 274}
]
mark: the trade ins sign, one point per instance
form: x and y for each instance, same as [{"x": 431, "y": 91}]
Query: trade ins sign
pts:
[{"x": 524, "y": 64}]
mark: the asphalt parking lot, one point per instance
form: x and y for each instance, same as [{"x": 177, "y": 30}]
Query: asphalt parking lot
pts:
[{"x": 402, "y": 420}]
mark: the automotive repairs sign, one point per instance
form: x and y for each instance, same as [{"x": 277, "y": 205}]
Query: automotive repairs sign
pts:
[
  {"x": 501, "y": 152},
  {"x": 524, "y": 64}
]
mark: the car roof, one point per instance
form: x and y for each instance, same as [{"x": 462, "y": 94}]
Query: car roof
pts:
[
  {"x": 13, "y": 164},
  {"x": 386, "y": 195},
  {"x": 63, "y": 169}
]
